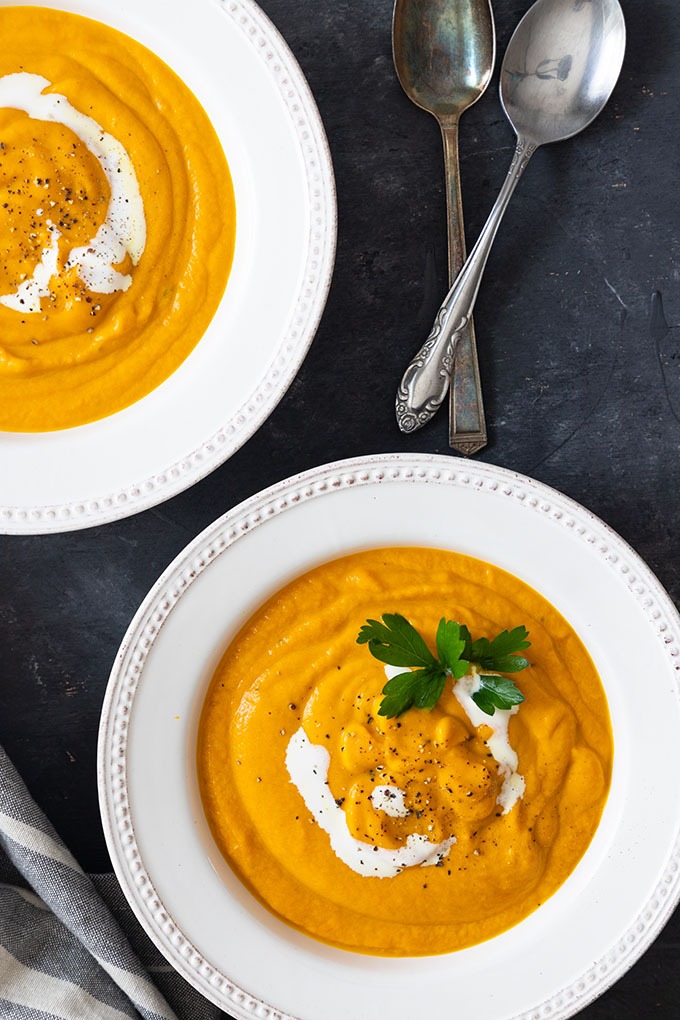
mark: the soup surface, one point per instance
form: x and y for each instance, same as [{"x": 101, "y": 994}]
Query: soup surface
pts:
[
  {"x": 413, "y": 835},
  {"x": 117, "y": 220}
]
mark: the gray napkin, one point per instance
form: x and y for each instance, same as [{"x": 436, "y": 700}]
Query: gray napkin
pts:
[{"x": 63, "y": 951}]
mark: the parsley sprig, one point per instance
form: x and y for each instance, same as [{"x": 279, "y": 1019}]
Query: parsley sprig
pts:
[{"x": 396, "y": 642}]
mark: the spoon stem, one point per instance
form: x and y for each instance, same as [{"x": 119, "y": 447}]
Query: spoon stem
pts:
[
  {"x": 426, "y": 380},
  {"x": 454, "y": 203},
  {"x": 467, "y": 426}
]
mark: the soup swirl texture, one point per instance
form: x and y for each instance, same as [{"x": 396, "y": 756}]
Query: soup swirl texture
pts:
[
  {"x": 117, "y": 220},
  {"x": 428, "y": 781}
]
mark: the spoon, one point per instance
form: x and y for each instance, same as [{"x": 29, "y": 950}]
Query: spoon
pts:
[
  {"x": 559, "y": 70},
  {"x": 444, "y": 52}
]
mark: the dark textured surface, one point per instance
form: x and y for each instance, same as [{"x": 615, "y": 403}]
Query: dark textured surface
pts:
[{"x": 580, "y": 366}]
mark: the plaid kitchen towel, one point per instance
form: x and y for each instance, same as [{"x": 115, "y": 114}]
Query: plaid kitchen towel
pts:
[{"x": 63, "y": 953}]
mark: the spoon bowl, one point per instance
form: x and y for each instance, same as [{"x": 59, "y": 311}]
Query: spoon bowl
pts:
[
  {"x": 560, "y": 68},
  {"x": 444, "y": 52}
]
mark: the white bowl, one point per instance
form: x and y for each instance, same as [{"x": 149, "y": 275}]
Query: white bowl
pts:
[
  {"x": 196, "y": 911},
  {"x": 249, "y": 83}
]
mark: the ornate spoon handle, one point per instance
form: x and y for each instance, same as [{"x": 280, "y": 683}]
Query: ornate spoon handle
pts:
[{"x": 426, "y": 380}]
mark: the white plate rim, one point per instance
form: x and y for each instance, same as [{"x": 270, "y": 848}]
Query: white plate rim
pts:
[
  {"x": 191, "y": 465},
  {"x": 537, "y": 497}
]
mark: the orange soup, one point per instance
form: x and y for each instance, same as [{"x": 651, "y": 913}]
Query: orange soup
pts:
[
  {"x": 420, "y": 834},
  {"x": 117, "y": 220}
]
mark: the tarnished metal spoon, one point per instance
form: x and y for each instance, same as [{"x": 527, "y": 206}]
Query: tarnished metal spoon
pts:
[
  {"x": 559, "y": 70},
  {"x": 444, "y": 54}
]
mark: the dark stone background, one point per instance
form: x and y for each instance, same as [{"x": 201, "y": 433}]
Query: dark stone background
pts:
[{"x": 580, "y": 365}]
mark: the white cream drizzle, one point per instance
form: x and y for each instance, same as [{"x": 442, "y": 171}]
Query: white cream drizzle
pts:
[
  {"x": 27, "y": 296},
  {"x": 307, "y": 766},
  {"x": 498, "y": 743},
  {"x": 389, "y": 800},
  {"x": 123, "y": 231}
]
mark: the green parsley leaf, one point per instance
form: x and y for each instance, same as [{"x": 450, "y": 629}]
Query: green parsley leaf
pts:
[
  {"x": 496, "y": 692},
  {"x": 484, "y": 699},
  {"x": 467, "y": 638},
  {"x": 499, "y": 653},
  {"x": 396, "y": 642},
  {"x": 420, "y": 687},
  {"x": 450, "y": 645},
  {"x": 509, "y": 641},
  {"x": 431, "y": 688}
]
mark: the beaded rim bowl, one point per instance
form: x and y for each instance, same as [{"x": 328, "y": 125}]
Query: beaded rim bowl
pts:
[
  {"x": 190, "y": 903},
  {"x": 251, "y": 86}
]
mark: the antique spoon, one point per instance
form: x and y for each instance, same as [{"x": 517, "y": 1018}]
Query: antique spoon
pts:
[
  {"x": 559, "y": 70},
  {"x": 444, "y": 52}
]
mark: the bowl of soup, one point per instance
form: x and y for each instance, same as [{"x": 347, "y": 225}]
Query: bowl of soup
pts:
[
  {"x": 143, "y": 221},
  {"x": 293, "y": 846}
]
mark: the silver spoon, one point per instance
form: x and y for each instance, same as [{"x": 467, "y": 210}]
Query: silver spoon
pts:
[
  {"x": 559, "y": 70},
  {"x": 444, "y": 52}
]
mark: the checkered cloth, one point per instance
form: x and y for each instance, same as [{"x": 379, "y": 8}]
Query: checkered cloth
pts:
[{"x": 63, "y": 953}]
